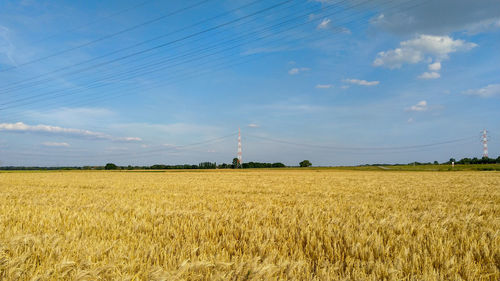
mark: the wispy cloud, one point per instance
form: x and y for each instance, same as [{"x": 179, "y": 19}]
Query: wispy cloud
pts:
[
  {"x": 484, "y": 25},
  {"x": 131, "y": 139},
  {"x": 489, "y": 91},
  {"x": 324, "y": 24},
  {"x": 6, "y": 47},
  {"x": 420, "y": 106},
  {"x": 294, "y": 107},
  {"x": 324, "y": 86},
  {"x": 253, "y": 125},
  {"x": 172, "y": 146},
  {"x": 56, "y": 144},
  {"x": 429, "y": 75},
  {"x": 56, "y": 130},
  {"x": 297, "y": 70},
  {"x": 361, "y": 82}
]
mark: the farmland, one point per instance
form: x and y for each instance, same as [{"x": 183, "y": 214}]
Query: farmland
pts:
[{"x": 312, "y": 224}]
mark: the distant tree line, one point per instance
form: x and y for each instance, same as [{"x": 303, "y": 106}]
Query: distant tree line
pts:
[
  {"x": 463, "y": 161},
  {"x": 112, "y": 166},
  {"x": 36, "y": 168},
  {"x": 475, "y": 160},
  {"x": 235, "y": 164},
  {"x": 203, "y": 165},
  {"x": 262, "y": 165}
]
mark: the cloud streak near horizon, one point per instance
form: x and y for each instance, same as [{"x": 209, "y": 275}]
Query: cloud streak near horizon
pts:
[
  {"x": 21, "y": 127},
  {"x": 361, "y": 82}
]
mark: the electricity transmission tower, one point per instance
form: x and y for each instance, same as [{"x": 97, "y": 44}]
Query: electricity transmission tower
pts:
[
  {"x": 239, "y": 149},
  {"x": 484, "y": 140}
]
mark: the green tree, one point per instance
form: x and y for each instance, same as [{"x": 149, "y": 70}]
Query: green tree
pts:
[
  {"x": 207, "y": 165},
  {"x": 235, "y": 163},
  {"x": 305, "y": 163},
  {"x": 110, "y": 166}
]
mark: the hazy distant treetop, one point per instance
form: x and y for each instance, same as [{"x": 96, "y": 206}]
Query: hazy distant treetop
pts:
[
  {"x": 110, "y": 166},
  {"x": 305, "y": 163}
]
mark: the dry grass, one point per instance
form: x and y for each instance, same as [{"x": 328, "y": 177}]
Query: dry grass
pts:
[{"x": 250, "y": 225}]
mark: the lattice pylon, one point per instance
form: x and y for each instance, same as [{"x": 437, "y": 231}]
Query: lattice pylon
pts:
[
  {"x": 239, "y": 148},
  {"x": 484, "y": 140}
]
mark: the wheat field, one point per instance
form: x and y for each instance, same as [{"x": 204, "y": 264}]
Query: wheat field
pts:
[{"x": 250, "y": 225}]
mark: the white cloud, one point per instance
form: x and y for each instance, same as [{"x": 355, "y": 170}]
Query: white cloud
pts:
[
  {"x": 441, "y": 17},
  {"x": 410, "y": 120},
  {"x": 312, "y": 16},
  {"x": 297, "y": 70},
  {"x": 418, "y": 49},
  {"x": 56, "y": 144},
  {"x": 395, "y": 58},
  {"x": 420, "y": 106},
  {"x": 361, "y": 82},
  {"x": 429, "y": 75},
  {"x": 485, "y": 92},
  {"x": 483, "y": 26},
  {"x": 293, "y": 107},
  {"x": 435, "y": 66},
  {"x": 173, "y": 146},
  {"x": 131, "y": 139},
  {"x": 377, "y": 19},
  {"x": 324, "y": 24},
  {"x": 324, "y": 86},
  {"x": 56, "y": 130},
  {"x": 252, "y": 125},
  {"x": 342, "y": 29},
  {"x": 6, "y": 47}
]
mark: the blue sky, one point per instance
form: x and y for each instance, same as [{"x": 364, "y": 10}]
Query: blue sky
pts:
[{"x": 336, "y": 82}]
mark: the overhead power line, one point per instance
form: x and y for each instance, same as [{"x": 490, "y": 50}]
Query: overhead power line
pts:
[
  {"x": 191, "y": 35},
  {"x": 350, "y": 148},
  {"x": 107, "y": 36},
  {"x": 161, "y": 62},
  {"x": 12, "y": 86},
  {"x": 186, "y": 147},
  {"x": 128, "y": 88},
  {"x": 147, "y": 50},
  {"x": 177, "y": 80},
  {"x": 143, "y": 153},
  {"x": 99, "y": 19}
]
